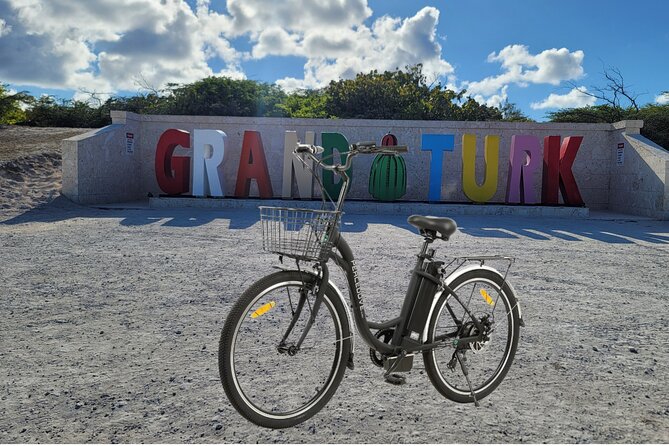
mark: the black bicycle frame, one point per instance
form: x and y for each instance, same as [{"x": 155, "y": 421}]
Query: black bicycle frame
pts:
[
  {"x": 346, "y": 262},
  {"x": 402, "y": 340}
]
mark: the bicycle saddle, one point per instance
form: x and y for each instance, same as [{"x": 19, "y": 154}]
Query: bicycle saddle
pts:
[{"x": 445, "y": 227}]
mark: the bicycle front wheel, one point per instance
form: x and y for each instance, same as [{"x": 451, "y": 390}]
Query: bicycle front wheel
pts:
[
  {"x": 490, "y": 301},
  {"x": 267, "y": 378}
]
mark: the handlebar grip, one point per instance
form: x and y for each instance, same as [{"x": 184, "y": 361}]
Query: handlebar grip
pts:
[
  {"x": 308, "y": 148},
  {"x": 362, "y": 144},
  {"x": 393, "y": 149}
]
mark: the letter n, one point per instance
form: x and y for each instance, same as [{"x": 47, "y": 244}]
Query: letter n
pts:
[
  {"x": 483, "y": 193},
  {"x": 558, "y": 162},
  {"x": 172, "y": 172},
  {"x": 253, "y": 166},
  {"x": 302, "y": 175}
]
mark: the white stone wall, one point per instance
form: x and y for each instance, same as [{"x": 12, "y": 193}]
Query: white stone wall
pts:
[
  {"x": 97, "y": 167},
  {"x": 135, "y": 175},
  {"x": 640, "y": 185}
]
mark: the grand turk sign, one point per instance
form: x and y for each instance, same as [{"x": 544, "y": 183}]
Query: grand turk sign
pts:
[{"x": 199, "y": 173}]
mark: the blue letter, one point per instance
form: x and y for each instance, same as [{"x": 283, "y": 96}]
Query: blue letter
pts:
[{"x": 437, "y": 144}]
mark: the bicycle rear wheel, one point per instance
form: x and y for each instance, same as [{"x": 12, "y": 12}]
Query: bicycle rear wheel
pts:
[
  {"x": 267, "y": 381},
  {"x": 488, "y": 299}
]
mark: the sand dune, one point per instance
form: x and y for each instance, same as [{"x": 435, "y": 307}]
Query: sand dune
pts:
[{"x": 30, "y": 166}]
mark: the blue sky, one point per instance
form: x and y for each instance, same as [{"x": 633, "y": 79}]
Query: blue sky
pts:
[{"x": 531, "y": 53}]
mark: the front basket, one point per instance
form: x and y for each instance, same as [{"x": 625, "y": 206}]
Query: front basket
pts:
[{"x": 303, "y": 234}]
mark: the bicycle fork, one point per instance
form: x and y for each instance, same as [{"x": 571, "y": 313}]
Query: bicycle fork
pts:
[{"x": 293, "y": 349}]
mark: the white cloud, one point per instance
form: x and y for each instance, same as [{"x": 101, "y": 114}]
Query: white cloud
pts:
[
  {"x": 4, "y": 28},
  {"x": 106, "y": 45},
  {"x": 253, "y": 16},
  {"x": 522, "y": 68},
  {"x": 275, "y": 41},
  {"x": 574, "y": 99},
  {"x": 662, "y": 99},
  {"x": 496, "y": 100},
  {"x": 388, "y": 44}
]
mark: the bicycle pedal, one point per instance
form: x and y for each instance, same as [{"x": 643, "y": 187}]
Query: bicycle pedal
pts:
[{"x": 395, "y": 379}]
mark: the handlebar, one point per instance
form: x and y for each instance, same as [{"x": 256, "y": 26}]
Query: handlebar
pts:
[{"x": 367, "y": 147}]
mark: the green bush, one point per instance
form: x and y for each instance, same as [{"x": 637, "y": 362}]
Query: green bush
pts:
[
  {"x": 655, "y": 118},
  {"x": 11, "y": 111}
]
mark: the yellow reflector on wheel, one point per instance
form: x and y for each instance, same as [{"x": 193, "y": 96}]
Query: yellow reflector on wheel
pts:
[
  {"x": 263, "y": 309},
  {"x": 487, "y": 297}
]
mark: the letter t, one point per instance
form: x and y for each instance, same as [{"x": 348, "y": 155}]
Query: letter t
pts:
[{"x": 437, "y": 144}]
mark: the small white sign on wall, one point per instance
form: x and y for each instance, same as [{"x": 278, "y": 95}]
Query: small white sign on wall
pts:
[
  {"x": 620, "y": 154},
  {"x": 129, "y": 143}
]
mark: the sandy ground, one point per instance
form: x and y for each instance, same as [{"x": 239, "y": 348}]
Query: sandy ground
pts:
[
  {"x": 30, "y": 166},
  {"x": 111, "y": 320}
]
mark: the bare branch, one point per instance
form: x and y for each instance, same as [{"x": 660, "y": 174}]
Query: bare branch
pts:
[
  {"x": 144, "y": 84},
  {"x": 94, "y": 96},
  {"x": 614, "y": 90}
]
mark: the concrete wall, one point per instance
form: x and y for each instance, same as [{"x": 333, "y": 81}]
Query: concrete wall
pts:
[
  {"x": 136, "y": 177},
  {"x": 97, "y": 167},
  {"x": 640, "y": 185}
]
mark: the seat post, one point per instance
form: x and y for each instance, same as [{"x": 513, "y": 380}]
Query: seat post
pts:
[{"x": 426, "y": 243}]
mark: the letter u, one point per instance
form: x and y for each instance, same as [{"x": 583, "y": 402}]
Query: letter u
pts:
[{"x": 483, "y": 193}]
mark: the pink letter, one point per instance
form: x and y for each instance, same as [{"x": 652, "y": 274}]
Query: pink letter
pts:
[{"x": 524, "y": 160}]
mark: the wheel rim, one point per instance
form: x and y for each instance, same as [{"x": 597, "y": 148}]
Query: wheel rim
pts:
[
  {"x": 486, "y": 363},
  {"x": 280, "y": 385}
]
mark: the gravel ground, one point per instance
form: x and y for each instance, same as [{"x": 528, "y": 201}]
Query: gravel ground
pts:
[{"x": 111, "y": 319}]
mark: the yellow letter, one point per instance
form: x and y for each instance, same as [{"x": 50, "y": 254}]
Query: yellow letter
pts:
[{"x": 483, "y": 193}]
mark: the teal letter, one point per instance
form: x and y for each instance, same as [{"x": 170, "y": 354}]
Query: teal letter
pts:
[{"x": 330, "y": 142}]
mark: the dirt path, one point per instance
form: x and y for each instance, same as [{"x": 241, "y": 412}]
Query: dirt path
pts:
[{"x": 110, "y": 326}]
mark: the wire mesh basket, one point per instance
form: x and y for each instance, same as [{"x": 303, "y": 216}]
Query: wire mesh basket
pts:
[{"x": 303, "y": 234}]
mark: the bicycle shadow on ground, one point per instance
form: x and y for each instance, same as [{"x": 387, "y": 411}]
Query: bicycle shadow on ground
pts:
[{"x": 613, "y": 231}]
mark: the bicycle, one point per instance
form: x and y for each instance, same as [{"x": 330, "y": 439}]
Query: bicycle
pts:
[{"x": 288, "y": 340}]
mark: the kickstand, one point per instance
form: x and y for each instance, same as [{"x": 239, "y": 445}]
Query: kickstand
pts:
[
  {"x": 466, "y": 373},
  {"x": 395, "y": 378}
]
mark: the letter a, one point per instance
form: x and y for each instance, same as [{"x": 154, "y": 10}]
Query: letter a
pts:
[
  {"x": 253, "y": 166},
  {"x": 483, "y": 193}
]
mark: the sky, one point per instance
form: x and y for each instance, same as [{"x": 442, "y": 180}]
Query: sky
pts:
[{"x": 538, "y": 54}]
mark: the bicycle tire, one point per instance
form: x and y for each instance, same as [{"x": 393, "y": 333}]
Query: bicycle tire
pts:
[
  {"x": 279, "y": 374},
  {"x": 437, "y": 361}
]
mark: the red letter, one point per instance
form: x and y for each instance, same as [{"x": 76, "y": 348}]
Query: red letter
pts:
[
  {"x": 252, "y": 165},
  {"x": 558, "y": 161},
  {"x": 173, "y": 172},
  {"x": 551, "y": 173}
]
